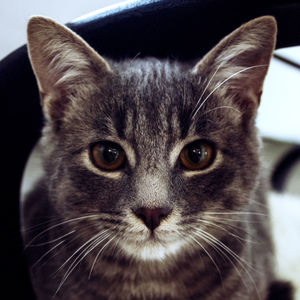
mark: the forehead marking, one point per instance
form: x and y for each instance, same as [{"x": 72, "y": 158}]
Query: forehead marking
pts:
[{"x": 130, "y": 153}]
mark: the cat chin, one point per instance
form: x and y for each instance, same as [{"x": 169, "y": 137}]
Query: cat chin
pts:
[{"x": 153, "y": 250}]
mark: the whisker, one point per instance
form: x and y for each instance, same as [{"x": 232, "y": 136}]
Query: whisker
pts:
[
  {"x": 93, "y": 244},
  {"x": 263, "y": 205},
  {"x": 43, "y": 256},
  {"x": 206, "y": 87},
  {"x": 235, "y": 216},
  {"x": 238, "y": 259},
  {"x": 234, "y": 219},
  {"x": 224, "y": 229},
  {"x": 208, "y": 254},
  {"x": 241, "y": 229},
  {"x": 100, "y": 251},
  {"x": 53, "y": 241},
  {"x": 85, "y": 252},
  {"x": 226, "y": 248},
  {"x": 32, "y": 227},
  {"x": 58, "y": 252},
  {"x": 115, "y": 246},
  {"x": 91, "y": 240},
  {"x": 222, "y": 253},
  {"x": 223, "y": 82},
  {"x": 59, "y": 224},
  {"x": 236, "y": 213},
  {"x": 221, "y": 107},
  {"x": 136, "y": 56}
]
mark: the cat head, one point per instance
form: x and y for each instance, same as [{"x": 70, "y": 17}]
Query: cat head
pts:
[{"x": 150, "y": 149}]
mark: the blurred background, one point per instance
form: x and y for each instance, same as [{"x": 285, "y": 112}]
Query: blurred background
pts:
[{"x": 278, "y": 119}]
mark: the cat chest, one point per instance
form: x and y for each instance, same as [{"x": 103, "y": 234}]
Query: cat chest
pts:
[{"x": 115, "y": 279}]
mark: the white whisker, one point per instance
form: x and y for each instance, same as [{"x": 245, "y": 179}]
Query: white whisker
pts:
[
  {"x": 35, "y": 226},
  {"x": 223, "y": 82},
  {"x": 221, "y": 107},
  {"x": 226, "y": 248},
  {"x": 222, "y": 252},
  {"x": 91, "y": 240},
  {"x": 234, "y": 219},
  {"x": 49, "y": 251},
  {"x": 244, "y": 265},
  {"x": 85, "y": 252},
  {"x": 225, "y": 222},
  {"x": 100, "y": 251},
  {"x": 208, "y": 254},
  {"x": 224, "y": 229},
  {"x": 235, "y": 213},
  {"x": 206, "y": 87},
  {"x": 60, "y": 224},
  {"x": 88, "y": 247},
  {"x": 53, "y": 241}
]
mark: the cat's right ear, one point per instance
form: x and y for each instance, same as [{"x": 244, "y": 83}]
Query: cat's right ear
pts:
[
  {"x": 237, "y": 65},
  {"x": 63, "y": 63}
]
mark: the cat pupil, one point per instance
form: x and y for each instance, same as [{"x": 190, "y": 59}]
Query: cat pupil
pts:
[
  {"x": 109, "y": 154},
  {"x": 197, "y": 154}
]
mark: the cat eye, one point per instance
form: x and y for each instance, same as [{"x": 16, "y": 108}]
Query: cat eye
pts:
[
  {"x": 197, "y": 155},
  {"x": 108, "y": 155}
]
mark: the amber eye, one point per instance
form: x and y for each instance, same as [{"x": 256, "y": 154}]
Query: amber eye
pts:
[
  {"x": 108, "y": 155},
  {"x": 197, "y": 155}
]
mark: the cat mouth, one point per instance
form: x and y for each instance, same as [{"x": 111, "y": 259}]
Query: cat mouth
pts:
[
  {"x": 153, "y": 237},
  {"x": 152, "y": 248}
]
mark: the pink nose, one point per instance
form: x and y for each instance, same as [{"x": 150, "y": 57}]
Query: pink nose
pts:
[{"x": 152, "y": 216}]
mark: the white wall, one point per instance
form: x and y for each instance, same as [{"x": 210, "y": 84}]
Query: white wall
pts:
[
  {"x": 278, "y": 115},
  {"x": 14, "y": 15}
]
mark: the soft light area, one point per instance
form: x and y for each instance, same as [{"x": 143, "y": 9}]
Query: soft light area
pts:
[
  {"x": 285, "y": 216},
  {"x": 278, "y": 115},
  {"x": 14, "y": 15}
]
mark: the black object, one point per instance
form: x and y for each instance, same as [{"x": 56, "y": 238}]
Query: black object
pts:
[
  {"x": 283, "y": 168},
  {"x": 281, "y": 290},
  {"x": 179, "y": 29}
]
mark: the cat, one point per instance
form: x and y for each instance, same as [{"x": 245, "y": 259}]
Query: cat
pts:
[{"x": 151, "y": 185}]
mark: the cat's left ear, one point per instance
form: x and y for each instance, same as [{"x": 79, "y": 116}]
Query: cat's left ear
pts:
[{"x": 235, "y": 69}]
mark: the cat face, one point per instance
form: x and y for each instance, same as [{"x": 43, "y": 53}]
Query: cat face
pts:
[{"x": 146, "y": 154}]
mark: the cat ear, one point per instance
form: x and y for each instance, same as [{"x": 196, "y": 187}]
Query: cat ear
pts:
[
  {"x": 63, "y": 63},
  {"x": 235, "y": 69}
]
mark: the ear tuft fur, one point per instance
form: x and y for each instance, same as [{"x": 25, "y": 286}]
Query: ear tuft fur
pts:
[
  {"x": 236, "y": 66},
  {"x": 63, "y": 63}
]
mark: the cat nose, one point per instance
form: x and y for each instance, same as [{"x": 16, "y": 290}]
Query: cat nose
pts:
[{"x": 152, "y": 217}]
